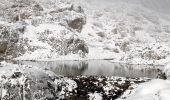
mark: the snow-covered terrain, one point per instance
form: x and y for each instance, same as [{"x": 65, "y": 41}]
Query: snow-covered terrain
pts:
[
  {"x": 124, "y": 31},
  {"x": 84, "y": 29},
  {"x": 156, "y": 89},
  {"x": 153, "y": 90},
  {"x": 22, "y": 82}
]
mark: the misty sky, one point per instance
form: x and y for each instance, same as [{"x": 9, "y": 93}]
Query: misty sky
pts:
[{"x": 162, "y": 6}]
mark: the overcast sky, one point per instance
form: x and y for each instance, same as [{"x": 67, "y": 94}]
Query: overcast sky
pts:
[{"x": 157, "y": 5}]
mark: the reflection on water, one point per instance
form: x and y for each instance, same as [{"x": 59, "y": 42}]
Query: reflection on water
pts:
[{"x": 96, "y": 67}]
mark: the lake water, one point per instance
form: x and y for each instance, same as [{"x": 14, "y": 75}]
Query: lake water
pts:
[{"x": 96, "y": 67}]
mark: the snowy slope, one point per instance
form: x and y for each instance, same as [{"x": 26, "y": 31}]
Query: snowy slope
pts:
[
  {"x": 154, "y": 90},
  {"x": 125, "y": 31}
]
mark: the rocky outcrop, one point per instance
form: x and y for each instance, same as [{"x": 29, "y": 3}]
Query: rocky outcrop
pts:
[
  {"x": 75, "y": 45},
  {"x": 32, "y": 83},
  {"x": 3, "y": 46},
  {"x": 151, "y": 55},
  {"x": 72, "y": 17},
  {"x": 65, "y": 19},
  {"x": 76, "y": 24}
]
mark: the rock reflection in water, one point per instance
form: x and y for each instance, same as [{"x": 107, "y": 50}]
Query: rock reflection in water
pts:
[{"x": 97, "y": 67}]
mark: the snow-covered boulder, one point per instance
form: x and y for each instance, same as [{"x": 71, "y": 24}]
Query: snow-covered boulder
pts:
[
  {"x": 154, "y": 90},
  {"x": 167, "y": 70},
  {"x": 20, "y": 82}
]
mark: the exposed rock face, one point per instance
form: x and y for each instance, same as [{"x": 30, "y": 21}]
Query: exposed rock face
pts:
[
  {"x": 76, "y": 45},
  {"x": 3, "y": 46},
  {"x": 51, "y": 28},
  {"x": 63, "y": 45},
  {"x": 13, "y": 45},
  {"x": 151, "y": 55},
  {"x": 76, "y": 24}
]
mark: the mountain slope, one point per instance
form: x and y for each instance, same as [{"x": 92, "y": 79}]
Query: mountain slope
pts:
[{"x": 83, "y": 29}]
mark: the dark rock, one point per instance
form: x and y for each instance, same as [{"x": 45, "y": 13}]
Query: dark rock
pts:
[
  {"x": 161, "y": 75},
  {"x": 74, "y": 45},
  {"x": 16, "y": 75},
  {"x": 124, "y": 46},
  {"x": 37, "y": 7},
  {"x": 152, "y": 55},
  {"x": 96, "y": 84},
  {"x": 101, "y": 34},
  {"x": 76, "y": 24},
  {"x": 3, "y": 46}
]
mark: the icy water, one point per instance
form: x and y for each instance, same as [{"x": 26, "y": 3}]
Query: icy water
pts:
[{"x": 96, "y": 67}]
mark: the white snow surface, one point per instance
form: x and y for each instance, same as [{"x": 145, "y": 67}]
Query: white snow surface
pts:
[
  {"x": 95, "y": 96},
  {"x": 167, "y": 70},
  {"x": 127, "y": 27},
  {"x": 156, "y": 89}
]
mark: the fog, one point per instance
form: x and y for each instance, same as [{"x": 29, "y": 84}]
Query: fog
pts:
[{"x": 162, "y": 6}]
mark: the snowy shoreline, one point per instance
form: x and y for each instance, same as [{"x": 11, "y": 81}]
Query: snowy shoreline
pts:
[
  {"x": 14, "y": 78},
  {"x": 31, "y": 79}
]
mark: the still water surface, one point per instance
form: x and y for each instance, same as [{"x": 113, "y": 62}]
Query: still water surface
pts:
[{"x": 96, "y": 67}]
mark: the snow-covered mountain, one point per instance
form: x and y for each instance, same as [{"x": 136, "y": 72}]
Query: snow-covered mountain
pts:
[
  {"x": 125, "y": 31},
  {"x": 135, "y": 33}
]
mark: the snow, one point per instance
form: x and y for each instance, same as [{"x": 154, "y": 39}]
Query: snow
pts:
[
  {"x": 95, "y": 96},
  {"x": 125, "y": 31},
  {"x": 120, "y": 22},
  {"x": 35, "y": 79},
  {"x": 164, "y": 94},
  {"x": 133, "y": 32},
  {"x": 167, "y": 70},
  {"x": 156, "y": 89}
]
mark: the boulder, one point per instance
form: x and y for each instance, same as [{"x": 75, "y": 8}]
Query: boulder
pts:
[
  {"x": 76, "y": 24},
  {"x": 3, "y": 46},
  {"x": 75, "y": 45},
  {"x": 31, "y": 83},
  {"x": 152, "y": 55}
]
